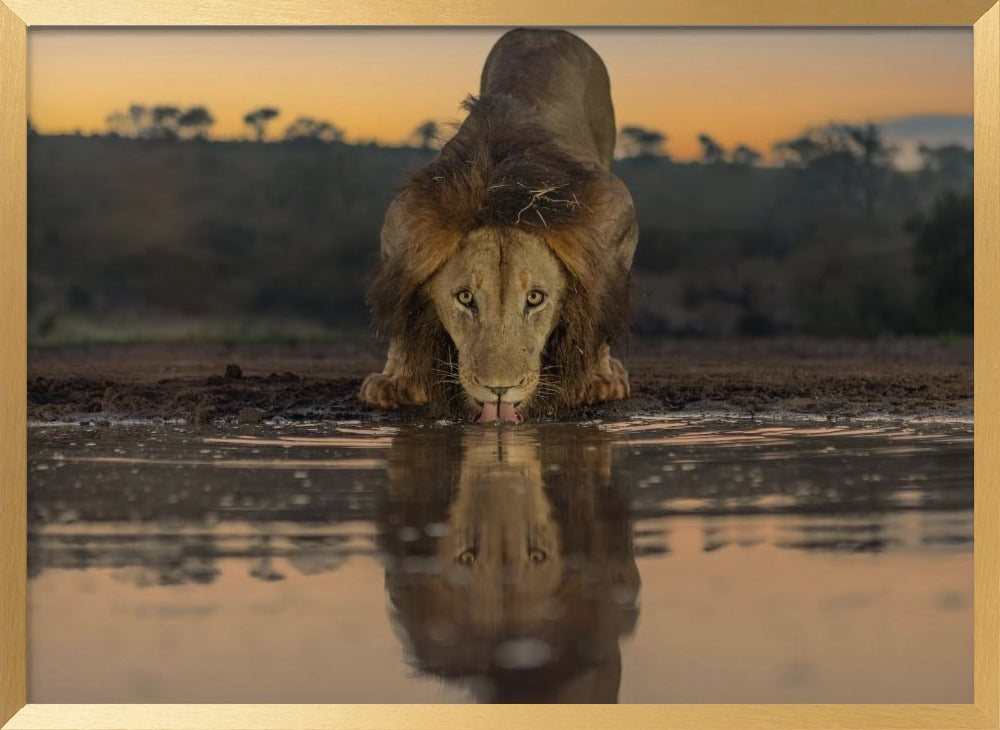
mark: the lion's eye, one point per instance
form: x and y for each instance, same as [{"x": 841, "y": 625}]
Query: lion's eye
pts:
[
  {"x": 465, "y": 298},
  {"x": 535, "y": 298},
  {"x": 537, "y": 555}
]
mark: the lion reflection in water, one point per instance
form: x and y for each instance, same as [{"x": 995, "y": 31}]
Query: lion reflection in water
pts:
[{"x": 509, "y": 562}]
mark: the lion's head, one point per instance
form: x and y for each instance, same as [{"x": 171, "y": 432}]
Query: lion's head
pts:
[
  {"x": 504, "y": 270},
  {"x": 499, "y": 297}
]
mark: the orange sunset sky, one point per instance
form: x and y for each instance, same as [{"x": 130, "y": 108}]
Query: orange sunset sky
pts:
[{"x": 740, "y": 86}]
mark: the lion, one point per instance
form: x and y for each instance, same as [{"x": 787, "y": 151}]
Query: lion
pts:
[
  {"x": 509, "y": 561},
  {"x": 505, "y": 262}
]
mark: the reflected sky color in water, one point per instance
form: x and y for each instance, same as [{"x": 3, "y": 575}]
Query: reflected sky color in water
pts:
[{"x": 650, "y": 560}]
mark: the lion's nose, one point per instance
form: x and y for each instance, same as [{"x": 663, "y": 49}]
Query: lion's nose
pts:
[{"x": 499, "y": 390}]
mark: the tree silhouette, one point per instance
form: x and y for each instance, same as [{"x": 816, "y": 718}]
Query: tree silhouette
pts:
[
  {"x": 874, "y": 156},
  {"x": 195, "y": 122},
  {"x": 161, "y": 122},
  {"x": 426, "y": 133},
  {"x": 257, "y": 121},
  {"x": 711, "y": 151},
  {"x": 642, "y": 142},
  {"x": 166, "y": 122},
  {"x": 852, "y": 160},
  {"x": 863, "y": 143},
  {"x": 119, "y": 124},
  {"x": 305, "y": 129},
  {"x": 744, "y": 156},
  {"x": 138, "y": 117},
  {"x": 951, "y": 161},
  {"x": 130, "y": 123},
  {"x": 801, "y": 151},
  {"x": 32, "y": 132}
]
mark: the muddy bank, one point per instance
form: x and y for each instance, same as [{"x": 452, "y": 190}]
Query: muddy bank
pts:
[{"x": 203, "y": 383}]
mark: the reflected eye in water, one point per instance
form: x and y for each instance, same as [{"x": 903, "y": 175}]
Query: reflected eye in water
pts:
[
  {"x": 466, "y": 557},
  {"x": 537, "y": 555}
]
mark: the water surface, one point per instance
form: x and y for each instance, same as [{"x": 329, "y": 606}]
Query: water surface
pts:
[{"x": 647, "y": 560}]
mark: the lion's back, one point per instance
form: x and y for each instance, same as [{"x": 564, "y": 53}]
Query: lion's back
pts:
[{"x": 562, "y": 76}]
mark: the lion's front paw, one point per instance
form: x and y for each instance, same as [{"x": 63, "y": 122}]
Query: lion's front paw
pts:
[
  {"x": 604, "y": 386},
  {"x": 386, "y": 391},
  {"x": 618, "y": 370}
]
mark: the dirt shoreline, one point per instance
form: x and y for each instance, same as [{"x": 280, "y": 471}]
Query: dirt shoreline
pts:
[{"x": 832, "y": 378}]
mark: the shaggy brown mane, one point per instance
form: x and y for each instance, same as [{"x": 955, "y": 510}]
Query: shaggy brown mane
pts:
[{"x": 498, "y": 171}]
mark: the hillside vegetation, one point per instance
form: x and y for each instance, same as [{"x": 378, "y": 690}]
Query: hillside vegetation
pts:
[{"x": 199, "y": 232}]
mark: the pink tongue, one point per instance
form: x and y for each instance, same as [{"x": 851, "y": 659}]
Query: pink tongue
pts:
[
  {"x": 505, "y": 412},
  {"x": 489, "y": 414}
]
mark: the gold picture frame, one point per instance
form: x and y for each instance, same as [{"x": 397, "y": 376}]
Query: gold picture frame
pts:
[{"x": 17, "y": 16}]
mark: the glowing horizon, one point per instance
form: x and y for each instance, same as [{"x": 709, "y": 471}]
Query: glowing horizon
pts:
[{"x": 741, "y": 86}]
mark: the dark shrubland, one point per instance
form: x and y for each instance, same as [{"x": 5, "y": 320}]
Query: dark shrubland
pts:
[{"x": 179, "y": 228}]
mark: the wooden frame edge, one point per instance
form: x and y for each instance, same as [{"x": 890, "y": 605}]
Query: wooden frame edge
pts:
[
  {"x": 986, "y": 49},
  {"x": 494, "y": 717},
  {"x": 17, "y": 15},
  {"x": 510, "y": 12},
  {"x": 13, "y": 363}
]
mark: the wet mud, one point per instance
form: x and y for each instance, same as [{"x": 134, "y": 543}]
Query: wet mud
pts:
[{"x": 203, "y": 383}]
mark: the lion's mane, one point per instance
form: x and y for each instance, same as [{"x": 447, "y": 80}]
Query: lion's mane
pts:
[{"x": 499, "y": 171}]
